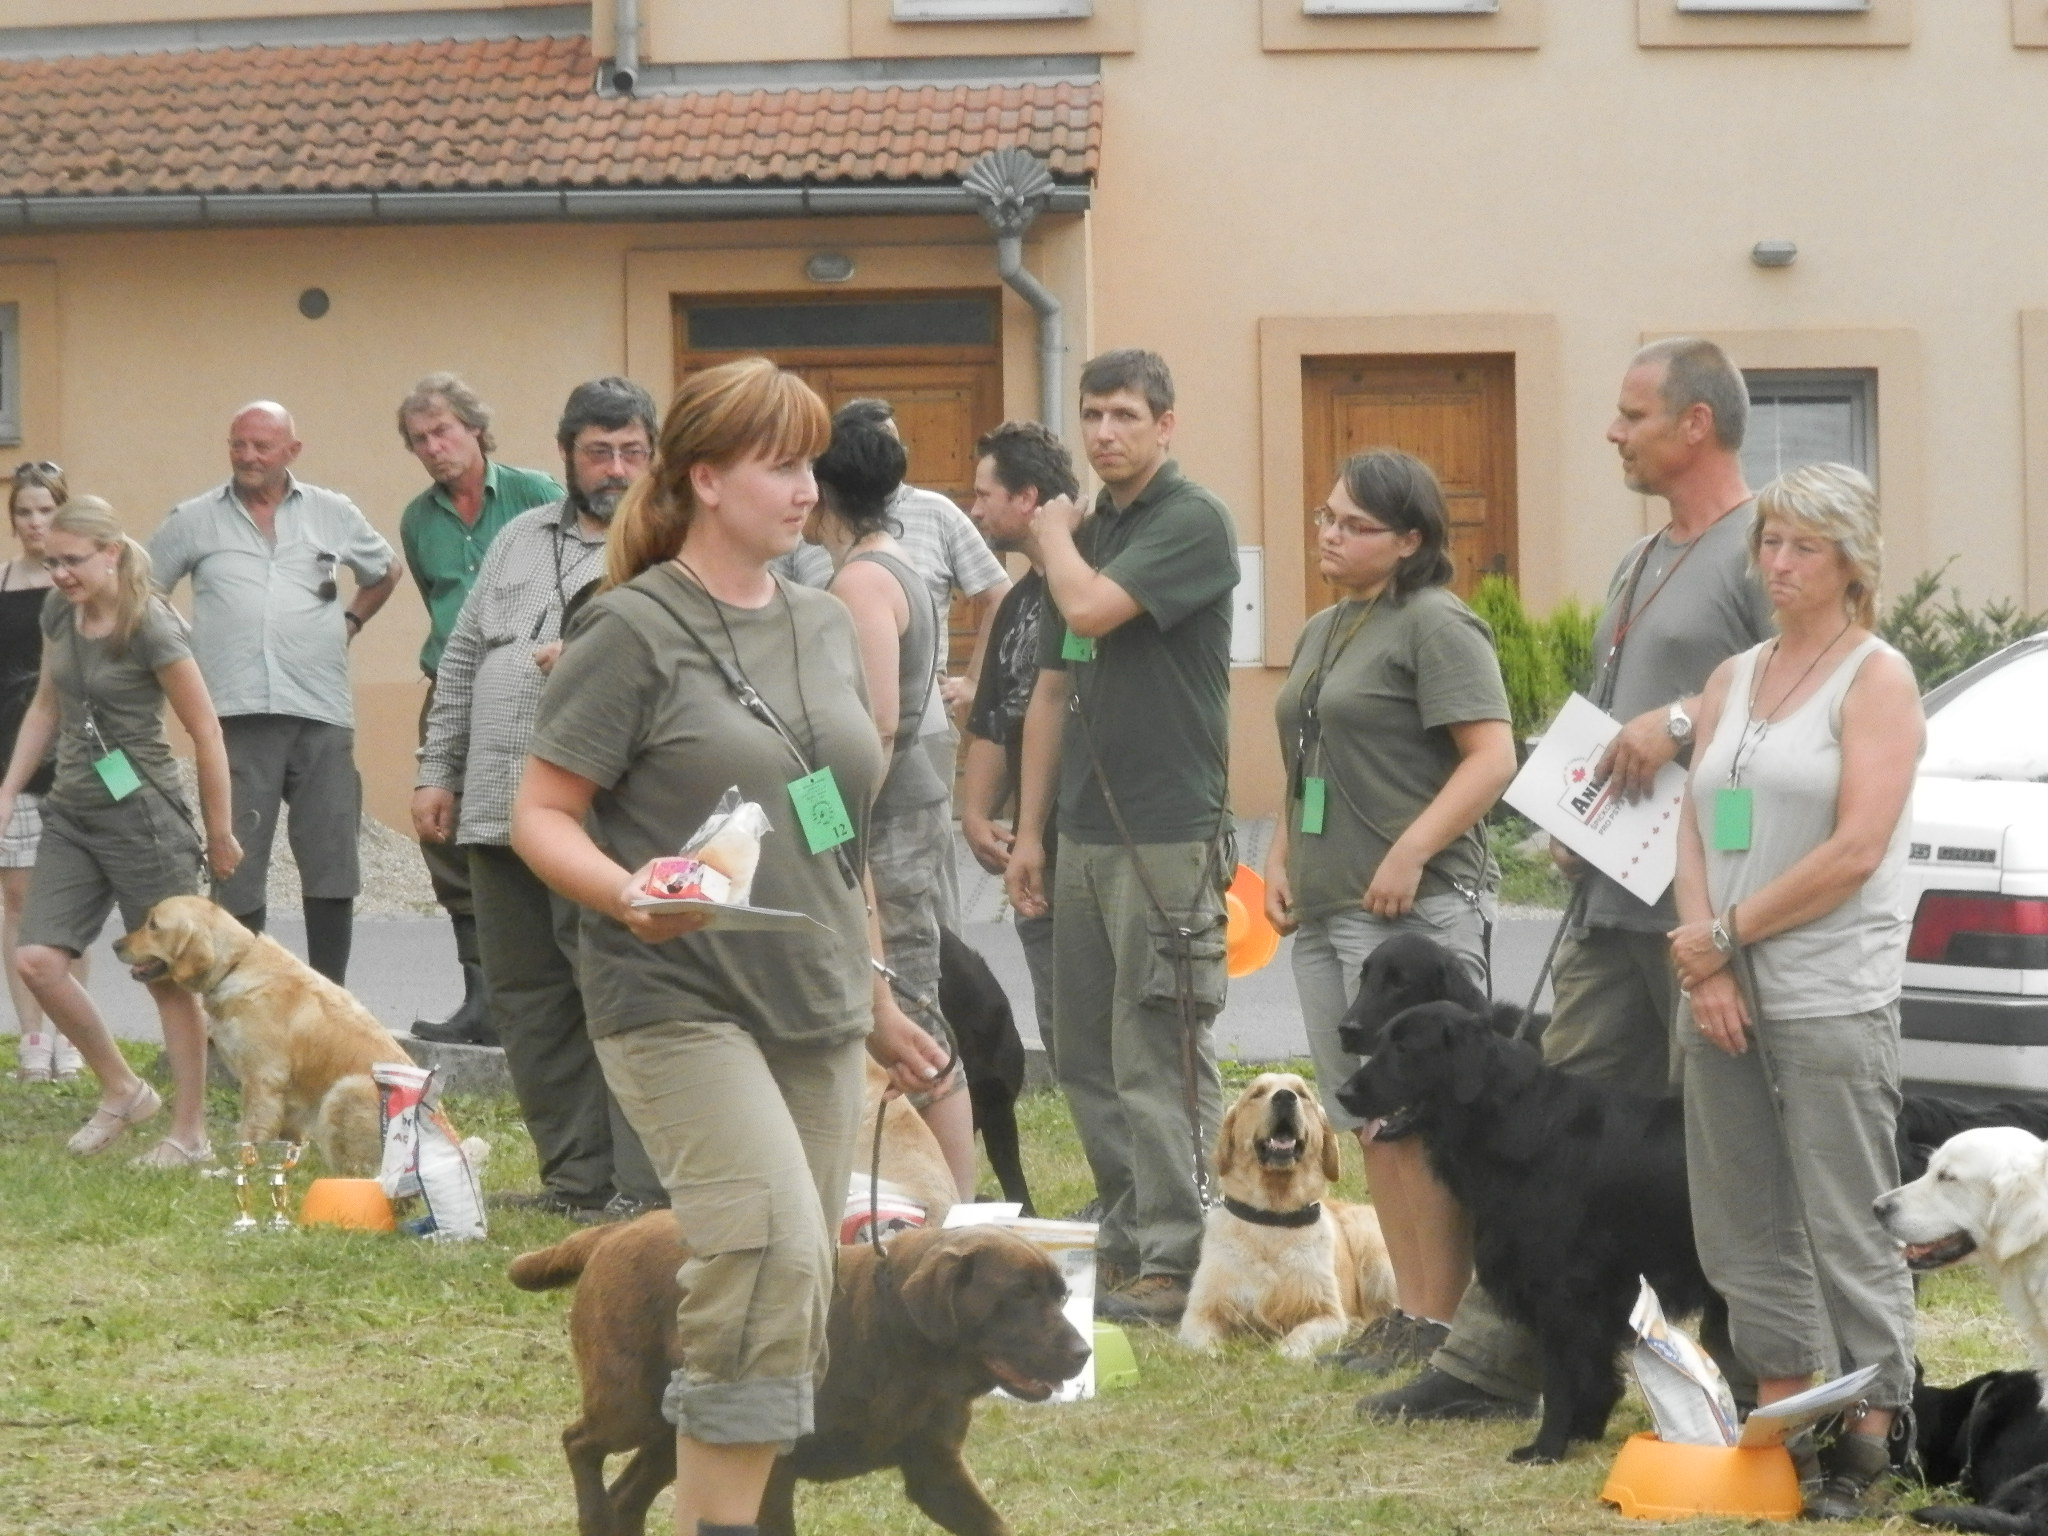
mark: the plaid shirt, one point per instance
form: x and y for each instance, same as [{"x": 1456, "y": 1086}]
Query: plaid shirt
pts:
[{"x": 487, "y": 689}]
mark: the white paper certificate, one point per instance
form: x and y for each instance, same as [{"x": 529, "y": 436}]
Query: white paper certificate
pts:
[{"x": 1634, "y": 845}]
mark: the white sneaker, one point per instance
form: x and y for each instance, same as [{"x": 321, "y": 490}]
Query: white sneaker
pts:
[
  {"x": 35, "y": 1064},
  {"x": 65, "y": 1061}
]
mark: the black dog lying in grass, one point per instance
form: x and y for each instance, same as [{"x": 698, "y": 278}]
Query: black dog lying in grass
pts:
[
  {"x": 1574, "y": 1190},
  {"x": 1987, "y": 1438}
]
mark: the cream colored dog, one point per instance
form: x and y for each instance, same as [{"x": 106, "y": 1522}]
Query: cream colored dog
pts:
[
  {"x": 1984, "y": 1195},
  {"x": 1278, "y": 1260},
  {"x": 911, "y": 1159},
  {"x": 300, "y": 1046}
]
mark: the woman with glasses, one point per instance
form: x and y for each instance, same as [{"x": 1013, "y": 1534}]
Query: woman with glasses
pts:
[
  {"x": 35, "y": 492},
  {"x": 1394, "y": 729},
  {"x": 116, "y": 829}
]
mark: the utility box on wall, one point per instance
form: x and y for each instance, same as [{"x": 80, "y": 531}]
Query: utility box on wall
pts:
[{"x": 1248, "y": 609}]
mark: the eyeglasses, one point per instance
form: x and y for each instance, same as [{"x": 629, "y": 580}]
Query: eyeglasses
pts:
[
  {"x": 42, "y": 467},
  {"x": 633, "y": 455},
  {"x": 327, "y": 591},
  {"x": 55, "y": 563},
  {"x": 1350, "y": 527}
]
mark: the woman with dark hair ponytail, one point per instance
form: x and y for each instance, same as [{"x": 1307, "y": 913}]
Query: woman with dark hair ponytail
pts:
[{"x": 1394, "y": 728}]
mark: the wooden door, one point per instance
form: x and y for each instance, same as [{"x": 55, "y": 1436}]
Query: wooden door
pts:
[
  {"x": 1456, "y": 413},
  {"x": 933, "y": 357}
]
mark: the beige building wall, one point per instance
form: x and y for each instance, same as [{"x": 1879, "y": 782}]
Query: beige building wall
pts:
[{"x": 1575, "y": 180}]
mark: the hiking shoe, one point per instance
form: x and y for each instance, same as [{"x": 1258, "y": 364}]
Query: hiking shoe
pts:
[
  {"x": 1111, "y": 1276},
  {"x": 1394, "y": 1343},
  {"x": 1438, "y": 1394},
  {"x": 1155, "y": 1299},
  {"x": 547, "y": 1202},
  {"x": 1856, "y": 1484}
]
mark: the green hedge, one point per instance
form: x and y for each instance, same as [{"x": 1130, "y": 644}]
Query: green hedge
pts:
[{"x": 1942, "y": 639}]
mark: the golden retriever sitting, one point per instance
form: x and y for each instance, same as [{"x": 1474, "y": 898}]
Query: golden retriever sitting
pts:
[
  {"x": 1278, "y": 1260},
  {"x": 300, "y": 1046}
]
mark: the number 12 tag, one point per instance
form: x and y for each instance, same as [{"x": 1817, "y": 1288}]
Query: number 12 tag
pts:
[
  {"x": 1732, "y": 807},
  {"x": 117, "y": 773},
  {"x": 1312, "y": 796},
  {"x": 820, "y": 811},
  {"x": 1077, "y": 648}
]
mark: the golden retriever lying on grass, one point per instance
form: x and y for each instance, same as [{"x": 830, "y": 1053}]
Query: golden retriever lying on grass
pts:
[
  {"x": 300, "y": 1046},
  {"x": 1278, "y": 1260}
]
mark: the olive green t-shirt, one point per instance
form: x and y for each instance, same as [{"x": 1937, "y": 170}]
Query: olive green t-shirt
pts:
[
  {"x": 1156, "y": 694},
  {"x": 636, "y": 706},
  {"x": 114, "y": 690},
  {"x": 1389, "y": 694}
]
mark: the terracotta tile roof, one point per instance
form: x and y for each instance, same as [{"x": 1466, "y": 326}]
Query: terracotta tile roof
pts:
[{"x": 506, "y": 113}]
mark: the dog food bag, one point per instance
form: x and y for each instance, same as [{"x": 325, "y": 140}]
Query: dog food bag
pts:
[
  {"x": 1770, "y": 1424},
  {"x": 423, "y": 1157},
  {"x": 686, "y": 879},
  {"x": 730, "y": 842},
  {"x": 1688, "y": 1397},
  {"x": 879, "y": 1205}
]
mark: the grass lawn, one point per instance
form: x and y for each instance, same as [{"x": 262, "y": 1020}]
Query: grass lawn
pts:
[{"x": 157, "y": 1376}]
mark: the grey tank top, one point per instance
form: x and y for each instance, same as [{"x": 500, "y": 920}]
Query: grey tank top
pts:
[
  {"x": 1849, "y": 960},
  {"x": 912, "y": 783}
]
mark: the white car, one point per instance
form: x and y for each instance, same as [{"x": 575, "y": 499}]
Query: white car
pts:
[{"x": 1974, "y": 1014}]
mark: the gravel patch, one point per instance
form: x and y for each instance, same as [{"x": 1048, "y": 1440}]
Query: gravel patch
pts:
[{"x": 395, "y": 880}]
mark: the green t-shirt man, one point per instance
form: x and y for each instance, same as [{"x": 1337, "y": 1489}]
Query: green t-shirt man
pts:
[
  {"x": 1396, "y": 674},
  {"x": 1155, "y": 691},
  {"x": 444, "y": 553}
]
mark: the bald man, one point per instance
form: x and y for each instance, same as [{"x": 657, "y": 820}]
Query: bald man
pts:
[{"x": 271, "y": 633}]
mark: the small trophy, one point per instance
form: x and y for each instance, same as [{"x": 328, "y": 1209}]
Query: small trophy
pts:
[
  {"x": 279, "y": 1159},
  {"x": 244, "y": 1156}
]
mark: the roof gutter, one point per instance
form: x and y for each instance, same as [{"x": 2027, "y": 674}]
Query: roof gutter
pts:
[
  {"x": 1011, "y": 187},
  {"x": 20, "y": 213}
]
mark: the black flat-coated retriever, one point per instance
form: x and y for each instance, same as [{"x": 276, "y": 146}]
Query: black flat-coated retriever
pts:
[
  {"x": 1411, "y": 969},
  {"x": 1987, "y": 1438},
  {"x": 1574, "y": 1189},
  {"x": 991, "y": 1053}
]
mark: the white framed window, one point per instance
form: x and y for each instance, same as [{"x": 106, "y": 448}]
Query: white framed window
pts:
[
  {"x": 991, "y": 10},
  {"x": 1399, "y": 7},
  {"x": 1809, "y": 416},
  {"x": 10, "y": 373},
  {"x": 1800, "y": 7}
]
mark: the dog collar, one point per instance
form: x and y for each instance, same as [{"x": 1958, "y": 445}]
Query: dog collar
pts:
[{"x": 1307, "y": 1216}]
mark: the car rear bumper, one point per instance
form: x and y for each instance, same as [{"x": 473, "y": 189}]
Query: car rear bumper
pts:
[{"x": 1991, "y": 1042}]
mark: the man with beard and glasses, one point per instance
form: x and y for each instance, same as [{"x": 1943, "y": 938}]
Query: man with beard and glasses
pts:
[
  {"x": 486, "y": 694},
  {"x": 445, "y": 531}
]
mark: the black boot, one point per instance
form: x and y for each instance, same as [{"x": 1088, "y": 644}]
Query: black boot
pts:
[{"x": 470, "y": 1023}]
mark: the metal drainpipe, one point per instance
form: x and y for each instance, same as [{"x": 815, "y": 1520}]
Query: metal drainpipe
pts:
[
  {"x": 625, "y": 45},
  {"x": 1011, "y": 187}
]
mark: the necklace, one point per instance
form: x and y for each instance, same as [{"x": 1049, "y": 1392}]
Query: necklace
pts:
[{"x": 1746, "y": 745}]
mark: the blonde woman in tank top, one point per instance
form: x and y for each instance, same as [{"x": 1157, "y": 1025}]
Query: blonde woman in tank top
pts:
[{"x": 1790, "y": 953}]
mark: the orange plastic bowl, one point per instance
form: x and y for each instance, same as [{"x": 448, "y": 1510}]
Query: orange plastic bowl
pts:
[
  {"x": 1249, "y": 940},
  {"x": 1654, "y": 1481},
  {"x": 358, "y": 1203}
]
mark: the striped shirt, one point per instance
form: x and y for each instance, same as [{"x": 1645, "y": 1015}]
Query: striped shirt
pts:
[{"x": 487, "y": 689}]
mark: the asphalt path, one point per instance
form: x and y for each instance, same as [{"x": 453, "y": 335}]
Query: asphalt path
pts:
[{"x": 404, "y": 968}]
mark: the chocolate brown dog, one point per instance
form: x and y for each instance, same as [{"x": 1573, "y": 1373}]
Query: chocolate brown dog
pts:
[{"x": 947, "y": 1317}]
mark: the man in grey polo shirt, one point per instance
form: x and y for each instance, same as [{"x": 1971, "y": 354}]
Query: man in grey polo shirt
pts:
[
  {"x": 271, "y": 636},
  {"x": 487, "y": 691}
]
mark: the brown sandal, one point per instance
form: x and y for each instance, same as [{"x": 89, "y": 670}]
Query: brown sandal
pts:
[{"x": 106, "y": 1125}]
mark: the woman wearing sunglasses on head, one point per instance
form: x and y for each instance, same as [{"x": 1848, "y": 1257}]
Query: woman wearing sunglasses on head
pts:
[
  {"x": 1394, "y": 728},
  {"x": 116, "y": 829}
]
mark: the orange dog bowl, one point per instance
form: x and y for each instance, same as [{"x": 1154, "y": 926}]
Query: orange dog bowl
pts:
[
  {"x": 1249, "y": 940},
  {"x": 358, "y": 1203},
  {"x": 1654, "y": 1481}
]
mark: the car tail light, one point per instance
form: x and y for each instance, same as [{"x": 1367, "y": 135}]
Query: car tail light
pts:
[{"x": 2007, "y": 933}]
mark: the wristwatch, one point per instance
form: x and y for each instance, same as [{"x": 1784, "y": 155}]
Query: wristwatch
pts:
[
  {"x": 1724, "y": 941},
  {"x": 1678, "y": 723}
]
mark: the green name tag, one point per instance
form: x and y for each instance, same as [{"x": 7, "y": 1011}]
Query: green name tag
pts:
[
  {"x": 820, "y": 811},
  {"x": 1077, "y": 648},
  {"x": 118, "y": 774},
  {"x": 1312, "y": 793},
  {"x": 1732, "y": 807}
]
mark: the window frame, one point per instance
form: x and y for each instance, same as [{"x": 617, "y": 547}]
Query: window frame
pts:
[
  {"x": 1319, "y": 9},
  {"x": 946, "y": 12},
  {"x": 1672, "y": 24},
  {"x": 1827, "y": 383}
]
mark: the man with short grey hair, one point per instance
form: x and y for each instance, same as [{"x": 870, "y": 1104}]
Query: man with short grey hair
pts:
[
  {"x": 1681, "y": 601},
  {"x": 271, "y": 636}
]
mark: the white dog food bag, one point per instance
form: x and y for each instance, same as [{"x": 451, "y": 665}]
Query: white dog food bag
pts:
[
  {"x": 1688, "y": 1396},
  {"x": 423, "y": 1157}
]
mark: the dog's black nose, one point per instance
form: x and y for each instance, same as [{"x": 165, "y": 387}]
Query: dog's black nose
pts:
[{"x": 1284, "y": 1097}]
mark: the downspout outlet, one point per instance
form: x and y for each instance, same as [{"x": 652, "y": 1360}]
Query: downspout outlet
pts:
[{"x": 1011, "y": 186}]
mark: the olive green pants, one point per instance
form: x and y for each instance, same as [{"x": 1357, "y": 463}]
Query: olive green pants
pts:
[{"x": 1120, "y": 1043}]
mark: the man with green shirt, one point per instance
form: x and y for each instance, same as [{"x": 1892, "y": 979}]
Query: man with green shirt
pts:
[
  {"x": 445, "y": 531},
  {"x": 1128, "y": 724}
]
